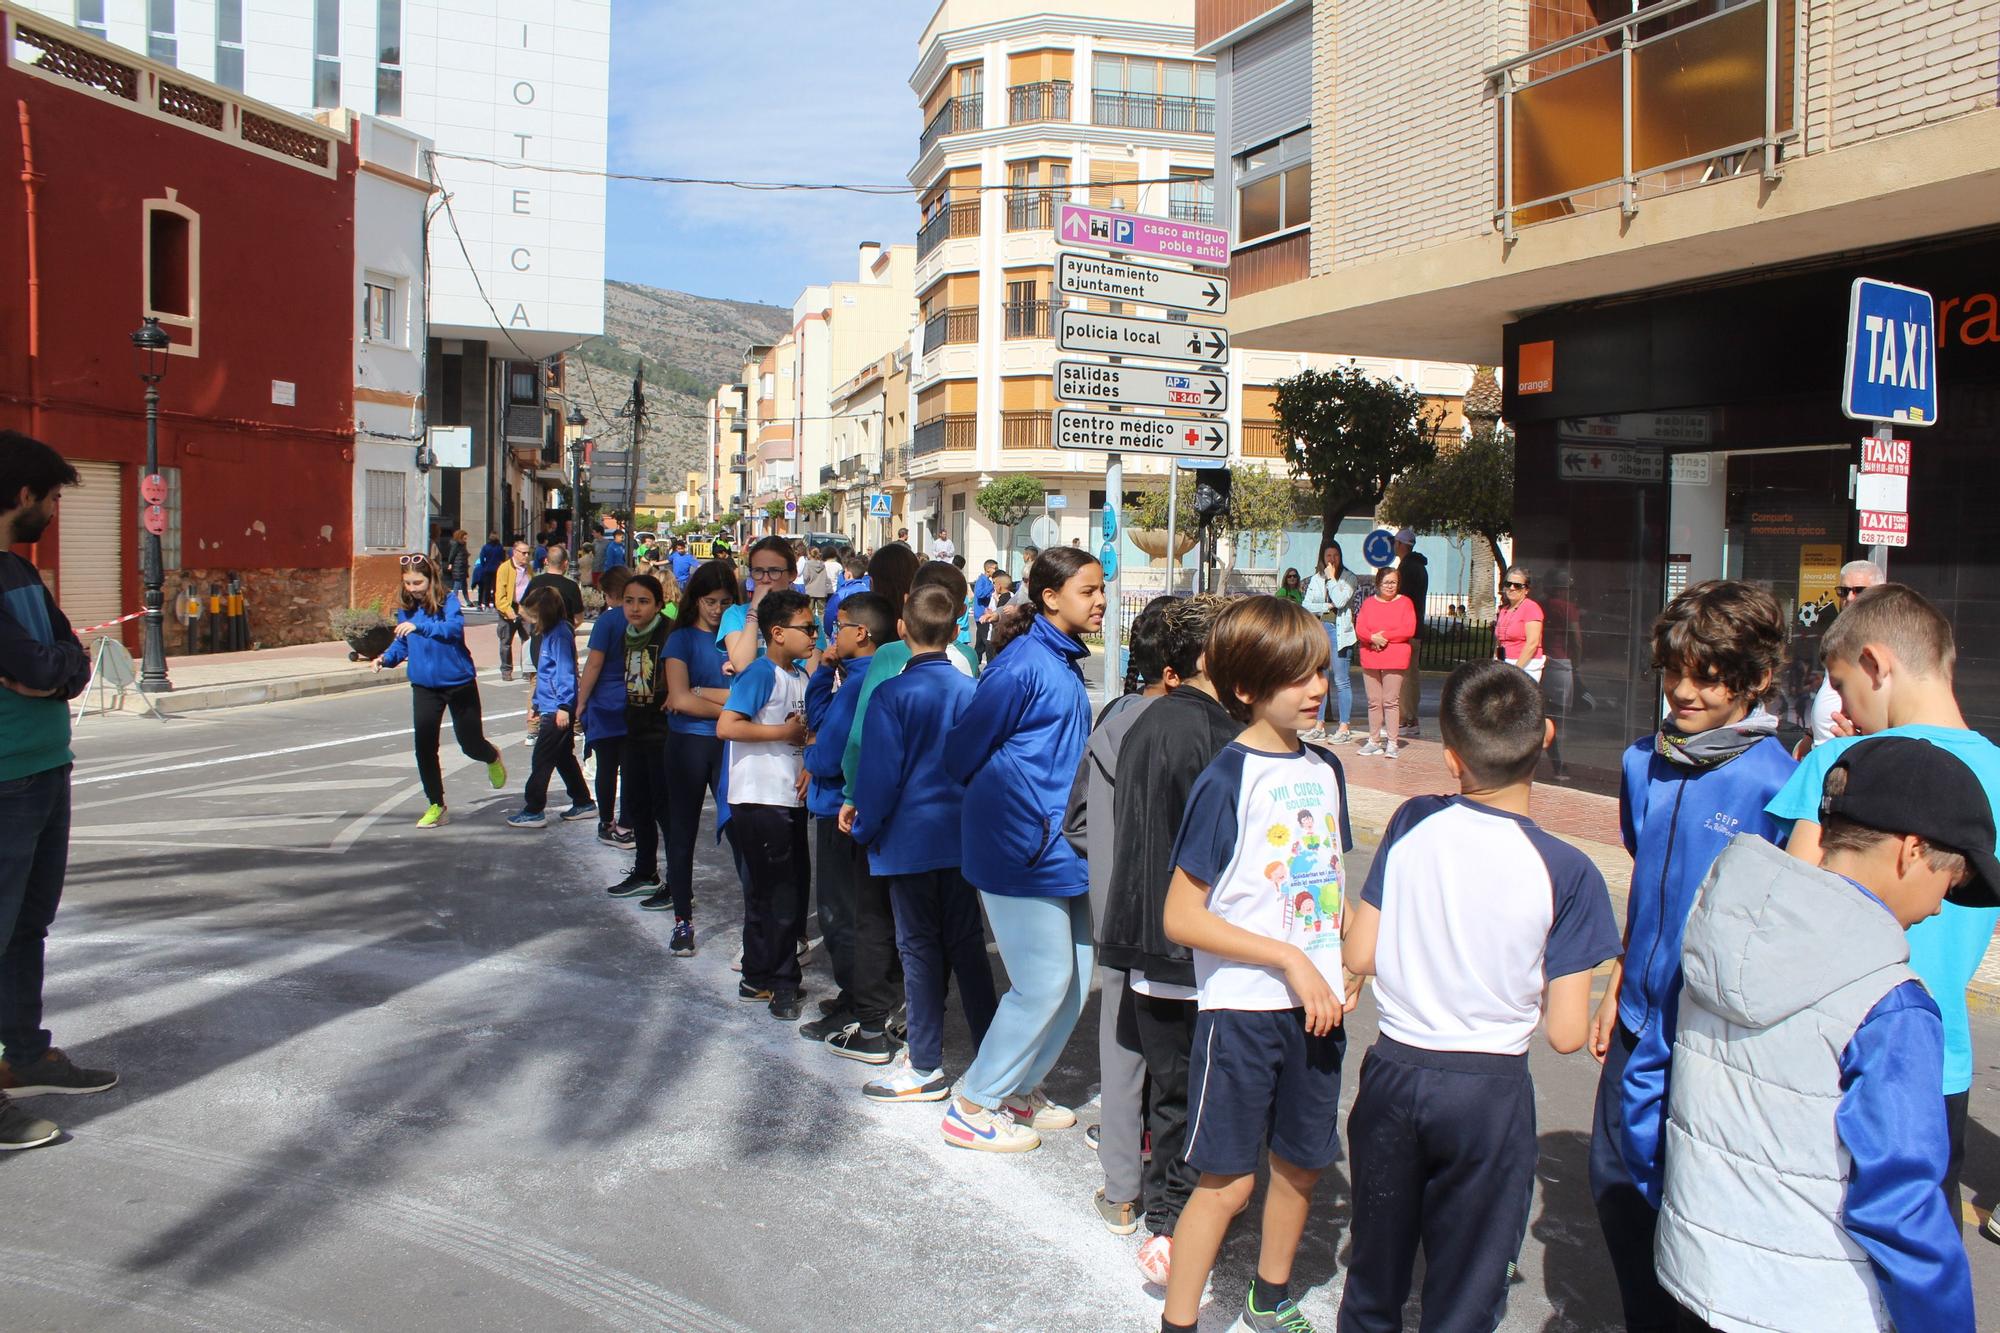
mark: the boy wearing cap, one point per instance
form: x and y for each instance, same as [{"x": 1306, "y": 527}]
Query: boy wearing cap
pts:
[{"x": 1799, "y": 1014}]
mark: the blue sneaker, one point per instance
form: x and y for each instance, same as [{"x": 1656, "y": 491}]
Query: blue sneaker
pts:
[
  {"x": 528, "y": 819},
  {"x": 581, "y": 810}
]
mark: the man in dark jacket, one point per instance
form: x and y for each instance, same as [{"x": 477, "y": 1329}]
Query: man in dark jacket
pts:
[
  {"x": 1416, "y": 585},
  {"x": 1163, "y": 753}
]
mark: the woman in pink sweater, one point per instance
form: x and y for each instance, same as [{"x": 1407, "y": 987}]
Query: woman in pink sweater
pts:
[{"x": 1384, "y": 627}]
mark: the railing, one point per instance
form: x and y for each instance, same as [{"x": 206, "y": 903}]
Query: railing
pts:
[
  {"x": 955, "y": 117},
  {"x": 954, "y": 324},
  {"x": 955, "y": 219},
  {"x": 1031, "y": 319},
  {"x": 954, "y": 430},
  {"x": 1153, "y": 111},
  {"x": 739, "y": 462},
  {"x": 1191, "y": 210},
  {"x": 896, "y": 463},
  {"x": 1024, "y": 430},
  {"x": 1034, "y": 210},
  {"x": 1036, "y": 103},
  {"x": 1660, "y": 99}
]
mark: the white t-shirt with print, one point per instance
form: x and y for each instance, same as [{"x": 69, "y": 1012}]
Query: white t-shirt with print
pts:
[{"x": 766, "y": 772}]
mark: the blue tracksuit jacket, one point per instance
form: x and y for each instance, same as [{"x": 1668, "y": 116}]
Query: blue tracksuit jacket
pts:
[
  {"x": 435, "y": 649},
  {"x": 906, "y": 808},
  {"x": 555, "y": 672},
  {"x": 831, "y": 696}
]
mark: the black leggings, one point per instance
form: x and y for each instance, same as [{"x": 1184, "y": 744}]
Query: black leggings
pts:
[
  {"x": 427, "y": 710},
  {"x": 610, "y": 752},
  {"x": 694, "y": 765},
  {"x": 646, "y": 789},
  {"x": 554, "y": 754}
]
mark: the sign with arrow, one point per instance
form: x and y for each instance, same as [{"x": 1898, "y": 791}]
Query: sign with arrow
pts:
[
  {"x": 1121, "y": 432},
  {"x": 1141, "y": 386},
  {"x": 1142, "y": 284},
  {"x": 1128, "y": 335},
  {"x": 1110, "y": 229}
]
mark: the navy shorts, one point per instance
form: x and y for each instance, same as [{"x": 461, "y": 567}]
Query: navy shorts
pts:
[{"x": 1256, "y": 1077}]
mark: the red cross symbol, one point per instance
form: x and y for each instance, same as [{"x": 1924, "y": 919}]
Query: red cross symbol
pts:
[{"x": 1192, "y": 437}]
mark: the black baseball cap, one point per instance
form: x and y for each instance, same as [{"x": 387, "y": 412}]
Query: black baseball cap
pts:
[{"x": 1905, "y": 785}]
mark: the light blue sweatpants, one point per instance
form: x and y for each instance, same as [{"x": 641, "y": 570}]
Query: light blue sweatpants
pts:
[{"x": 1045, "y": 943}]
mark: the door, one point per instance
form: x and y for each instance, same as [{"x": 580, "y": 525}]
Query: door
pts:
[{"x": 90, "y": 550}]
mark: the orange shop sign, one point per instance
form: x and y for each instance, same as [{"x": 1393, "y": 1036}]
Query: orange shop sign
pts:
[{"x": 1535, "y": 369}]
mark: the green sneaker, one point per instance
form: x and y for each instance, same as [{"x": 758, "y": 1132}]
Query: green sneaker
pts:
[
  {"x": 1286, "y": 1318},
  {"x": 433, "y": 817},
  {"x": 496, "y": 773}
]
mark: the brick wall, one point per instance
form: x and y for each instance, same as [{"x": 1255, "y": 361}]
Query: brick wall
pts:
[{"x": 1884, "y": 66}]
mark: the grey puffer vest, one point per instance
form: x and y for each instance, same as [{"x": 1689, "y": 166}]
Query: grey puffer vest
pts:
[{"x": 1782, "y": 963}]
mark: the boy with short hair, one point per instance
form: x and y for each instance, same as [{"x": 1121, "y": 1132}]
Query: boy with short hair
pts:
[
  {"x": 764, "y": 724},
  {"x": 1474, "y": 923},
  {"x": 906, "y": 814},
  {"x": 1699, "y": 780},
  {"x": 1890, "y": 657},
  {"x": 1807, "y": 1137},
  {"x": 1268, "y": 1042}
]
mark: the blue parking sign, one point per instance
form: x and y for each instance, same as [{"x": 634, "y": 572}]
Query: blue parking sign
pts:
[{"x": 1891, "y": 354}]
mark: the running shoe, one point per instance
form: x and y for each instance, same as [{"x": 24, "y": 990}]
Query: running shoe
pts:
[
  {"x": 854, "y": 1042},
  {"x": 613, "y": 836},
  {"x": 496, "y": 773},
  {"x": 1371, "y": 746},
  {"x": 433, "y": 816},
  {"x": 682, "y": 944},
  {"x": 750, "y": 994},
  {"x": 985, "y": 1131},
  {"x": 1038, "y": 1112},
  {"x": 1342, "y": 737},
  {"x": 1156, "y": 1259},
  {"x": 1121, "y": 1218},
  {"x": 635, "y": 884},
  {"x": 661, "y": 901},
  {"x": 1091, "y": 1135},
  {"x": 1316, "y": 734},
  {"x": 579, "y": 810},
  {"x": 1284, "y": 1318},
  {"x": 785, "y": 1005},
  {"x": 1412, "y": 731},
  {"x": 53, "y": 1072},
  {"x": 18, "y": 1129},
  {"x": 902, "y": 1083},
  {"x": 832, "y": 1021},
  {"x": 1392, "y": 749},
  {"x": 528, "y": 819}
]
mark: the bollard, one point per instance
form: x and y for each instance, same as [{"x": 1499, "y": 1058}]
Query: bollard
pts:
[
  {"x": 188, "y": 606},
  {"x": 239, "y": 629},
  {"x": 215, "y": 617}
]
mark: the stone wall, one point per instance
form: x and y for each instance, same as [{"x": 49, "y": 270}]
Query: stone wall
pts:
[{"x": 284, "y": 606}]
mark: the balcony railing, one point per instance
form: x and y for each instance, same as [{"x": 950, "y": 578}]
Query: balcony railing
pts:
[
  {"x": 1153, "y": 111},
  {"x": 896, "y": 463},
  {"x": 960, "y": 218},
  {"x": 1656, "y": 100},
  {"x": 956, "y": 116},
  {"x": 827, "y": 474},
  {"x": 954, "y": 324},
  {"x": 1024, "y": 430},
  {"x": 1263, "y": 439},
  {"x": 1031, "y": 319},
  {"x": 954, "y": 430},
  {"x": 1191, "y": 210},
  {"x": 1035, "y": 103},
  {"x": 739, "y": 463},
  {"x": 1034, "y": 210}
]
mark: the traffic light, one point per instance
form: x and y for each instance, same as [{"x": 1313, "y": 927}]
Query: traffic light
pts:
[{"x": 1211, "y": 493}]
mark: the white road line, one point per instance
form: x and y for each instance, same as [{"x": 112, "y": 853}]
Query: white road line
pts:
[
  {"x": 262, "y": 754},
  {"x": 230, "y": 824},
  {"x": 347, "y": 836}
]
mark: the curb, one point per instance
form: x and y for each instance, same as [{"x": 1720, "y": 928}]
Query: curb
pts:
[{"x": 201, "y": 698}]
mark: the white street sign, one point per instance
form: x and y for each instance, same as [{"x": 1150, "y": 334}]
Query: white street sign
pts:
[
  {"x": 1142, "y": 284},
  {"x": 1120, "y": 432},
  {"x": 1126, "y": 335},
  {"x": 1141, "y": 386}
]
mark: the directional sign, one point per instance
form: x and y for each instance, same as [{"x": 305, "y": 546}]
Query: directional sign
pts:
[
  {"x": 1119, "y": 432},
  {"x": 1128, "y": 335},
  {"x": 1141, "y": 386},
  {"x": 1111, "y": 230},
  {"x": 1891, "y": 355},
  {"x": 1143, "y": 284}
]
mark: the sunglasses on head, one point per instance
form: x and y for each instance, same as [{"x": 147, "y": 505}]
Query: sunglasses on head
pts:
[{"x": 409, "y": 560}]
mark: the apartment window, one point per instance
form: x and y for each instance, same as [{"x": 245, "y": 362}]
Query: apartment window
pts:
[
  {"x": 90, "y": 17},
  {"x": 1274, "y": 187},
  {"x": 1035, "y": 190},
  {"x": 378, "y": 312},
  {"x": 1191, "y": 198},
  {"x": 1144, "y": 93},
  {"x": 229, "y": 43},
  {"x": 971, "y": 80},
  {"x": 385, "y": 517},
  {"x": 326, "y": 53},
  {"x": 162, "y": 41},
  {"x": 389, "y": 57},
  {"x": 521, "y": 385}
]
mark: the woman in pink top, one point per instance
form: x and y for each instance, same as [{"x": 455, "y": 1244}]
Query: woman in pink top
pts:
[
  {"x": 1384, "y": 627},
  {"x": 1519, "y": 624}
]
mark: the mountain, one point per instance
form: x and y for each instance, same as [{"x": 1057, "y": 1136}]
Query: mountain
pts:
[{"x": 690, "y": 346}]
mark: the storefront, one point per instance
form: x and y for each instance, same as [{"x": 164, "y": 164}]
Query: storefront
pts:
[{"x": 1670, "y": 437}]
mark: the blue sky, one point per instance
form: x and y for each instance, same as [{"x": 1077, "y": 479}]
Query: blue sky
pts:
[{"x": 814, "y": 90}]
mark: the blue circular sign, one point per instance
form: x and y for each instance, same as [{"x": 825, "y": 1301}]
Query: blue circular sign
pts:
[
  {"x": 1378, "y": 548},
  {"x": 1107, "y": 556}
]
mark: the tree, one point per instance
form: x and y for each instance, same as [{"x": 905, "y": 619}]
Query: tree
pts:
[
  {"x": 1008, "y": 500},
  {"x": 774, "y": 508},
  {"x": 1350, "y": 434},
  {"x": 1467, "y": 491},
  {"x": 1262, "y": 505},
  {"x": 816, "y": 503}
]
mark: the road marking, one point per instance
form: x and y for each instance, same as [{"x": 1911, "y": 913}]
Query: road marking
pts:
[
  {"x": 231, "y": 824},
  {"x": 261, "y": 754},
  {"x": 348, "y": 835},
  {"x": 279, "y": 788}
]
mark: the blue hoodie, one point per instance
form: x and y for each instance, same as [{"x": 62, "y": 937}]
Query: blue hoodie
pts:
[
  {"x": 555, "y": 672},
  {"x": 435, "y": 649},
  {"x": 1676, "y": 821},
  {"x": 1015, "y": 751},
  {"x": 906, "y": 810},
  {"x": 829, "y": 716}
]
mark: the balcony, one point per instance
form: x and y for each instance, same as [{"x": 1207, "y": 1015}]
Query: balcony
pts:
[
  {"x": 1025, "y": 430},
  {"x": 1039, "y": 103},
  {"x": 954, "y": 324},
  {"x": 739, "y": 463},
  {"x": 1032, "y": 319},
  {"x": 954, "y": 219},
  {"x": 1658, "y": 100},
  {"x": 954, "y": 430},
  {"x": 1153, "y": 111},
  {"x": 956, "y": 116},
  {"x": 1034, "y": 210},
  {"x": 1191, "y": 210},
  {"x": 827, "y": 474},
  {"x": 896, "y": 466},
  {"x": 1263, "y": 439}
]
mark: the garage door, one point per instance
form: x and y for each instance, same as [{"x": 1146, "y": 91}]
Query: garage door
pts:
[{"x": 91, "y": 550}]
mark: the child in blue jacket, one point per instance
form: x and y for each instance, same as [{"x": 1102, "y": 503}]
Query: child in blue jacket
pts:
[
  {"x": 906, "y": 814},
  {"x": 552, "y": 714},
  {"x": 1689, "y": 788},
  {"x": 430, "y": 636}
]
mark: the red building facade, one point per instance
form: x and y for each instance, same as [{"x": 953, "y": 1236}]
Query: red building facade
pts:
[{"x": 131, "y": 190}]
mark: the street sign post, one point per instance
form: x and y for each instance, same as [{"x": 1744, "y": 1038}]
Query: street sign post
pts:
[
  {"x": 1128, "y": 335},
  {"x": 1891, "y": 372},
  {"x": 1108, "y": 229},
  {"x": 1144, "y": 284},
  {"x": 1141, "y": 386},
  {"x": 1162, "y": 437}
]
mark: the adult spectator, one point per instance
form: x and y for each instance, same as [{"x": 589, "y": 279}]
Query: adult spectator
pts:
[
  {"x": 684, "y": 564},
  {"x": 817, "y": 576},
  {"x": 941, "y": 547},
  {"x": 1562, "y": 648},
  {"x": 903, "y": 536},
  {"x": 612, "y": 555},
  {"x": 491, "y": 557},
  {"x": 1415, "y": 585},
  {"x": 1520, "y": 625},
  {"x": 1826, "y": 720},
  {"x": 510, "y": 585},
  {"x": 42, "y": 666},
  {"x": 555, "y": 574},
  {"x": 459, "y": 562}
]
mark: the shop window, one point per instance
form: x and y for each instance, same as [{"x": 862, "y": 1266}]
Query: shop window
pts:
[{"x": 385, "y": 513}]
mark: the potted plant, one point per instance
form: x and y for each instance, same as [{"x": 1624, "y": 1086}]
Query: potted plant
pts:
[
  {"x": 1147, "y": 517},
  {"x": 367, "y": 629}
]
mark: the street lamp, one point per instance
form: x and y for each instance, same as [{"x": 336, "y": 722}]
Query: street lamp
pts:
[
  {"x": 576, "y": 421},
  {"x": 150, "y": 346}
]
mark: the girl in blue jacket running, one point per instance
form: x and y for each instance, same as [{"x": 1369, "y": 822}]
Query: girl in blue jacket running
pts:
[
  {"x": 430, "y": 636},
  {"x": 1015, "y": 749}
]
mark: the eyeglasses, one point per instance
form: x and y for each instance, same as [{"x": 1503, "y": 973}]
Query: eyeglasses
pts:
[
  {"x": 809, "y": 628},
  {"x": 1510, "y": 583},
  {"x": 839, "y": 628},
  {"x": 770, "y": 571},
  {"x": 1846, "y": 591}
]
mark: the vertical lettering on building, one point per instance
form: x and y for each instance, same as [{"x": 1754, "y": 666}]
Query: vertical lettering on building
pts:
[
  {"x": 521, "y": 259},
  {"x": 524, "y": 93},
  {"x": 521, "y": 204},
  {"x": 519, "y": 319}
]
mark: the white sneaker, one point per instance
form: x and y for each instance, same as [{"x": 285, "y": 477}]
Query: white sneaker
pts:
[
  {"x": 986, "y": 1131},
  {"x": 1370, "y": 746},
  {"x": 1037, "y": 1112},
  {"x": 1156, "y": 1259},
  {"x": 1316, "y": 734},
  {"x": 901, "y": 1083},
  {"x": 1392, "y": 750}
]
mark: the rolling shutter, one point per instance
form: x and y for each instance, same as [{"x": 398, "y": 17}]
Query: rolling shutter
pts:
[
  {"x": 90, "y": 550},
  {"x": 1270, "y": 82}
]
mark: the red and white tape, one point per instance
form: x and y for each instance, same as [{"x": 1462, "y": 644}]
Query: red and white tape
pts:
[{"x": 109, "y": 623}]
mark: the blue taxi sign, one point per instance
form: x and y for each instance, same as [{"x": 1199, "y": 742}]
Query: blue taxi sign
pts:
[{"x": 1891, "y": 354}]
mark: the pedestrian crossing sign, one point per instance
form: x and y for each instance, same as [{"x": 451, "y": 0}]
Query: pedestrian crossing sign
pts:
[{"x": 878, "y": 506}]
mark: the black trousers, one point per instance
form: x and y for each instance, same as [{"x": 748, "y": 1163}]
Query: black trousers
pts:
[
  {"x": 555, "y": 752},
  {"x": 878, "y": 966},
  {"x": 646, "y": 785},
  {"x": 833, "y": 873},
  {"x": 1165, "y": 1029},
  {"x": 1629, "y": 1223},
  {"x": 610, "y": 752},
  {"x": 694, "y": 769},
  {"x": 771, "y": 839},
  {"x": 508, "y": 631},
  {"x": 1442, "y": 1146},
  {"x": 427, "y": 710},
  {"x": 1955, "y": 1105}
]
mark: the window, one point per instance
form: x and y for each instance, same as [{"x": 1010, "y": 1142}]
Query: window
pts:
[
  {"x": 521, "y": 384},
  {"x": 1191, "y": 198},
  {"x": 1144, "y": 93},
  {"x": 971, "y": 79},
  {"x": 378, "y": 313},
  {"x": 1274, "y": 187},
  {"x": 326, "y": 53},
  {"x": 229, "y": 44},
  {"x": 389, "y": 57},
  {"x": 161, "y": 42},
  {"x": 170, "y": 264},
  {"x": 386, "y": 517},
  {"x": 90, "y": 17}
]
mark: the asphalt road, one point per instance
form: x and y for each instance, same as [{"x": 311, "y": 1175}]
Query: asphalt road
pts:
[{"x": 382, "y": 1079}]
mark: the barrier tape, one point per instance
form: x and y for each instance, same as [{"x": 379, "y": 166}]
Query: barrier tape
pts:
[{"x": 109, "y": 623}]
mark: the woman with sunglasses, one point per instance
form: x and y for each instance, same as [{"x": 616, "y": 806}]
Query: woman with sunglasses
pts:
[
  {"x": 430, "y": 636},
  {"x": 1518, "y": 628}
]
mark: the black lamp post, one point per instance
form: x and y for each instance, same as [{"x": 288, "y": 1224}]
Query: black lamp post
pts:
[
  {"x": 576, "y": 421},
  {"x": 150, "y": 346}
]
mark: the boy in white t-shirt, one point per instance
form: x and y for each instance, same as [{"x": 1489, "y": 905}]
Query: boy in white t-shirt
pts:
[
  {"x": 1474, "y": 923},
  {"x": 764, "y": 724},
  {"x": 1258, "y": 894}
]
